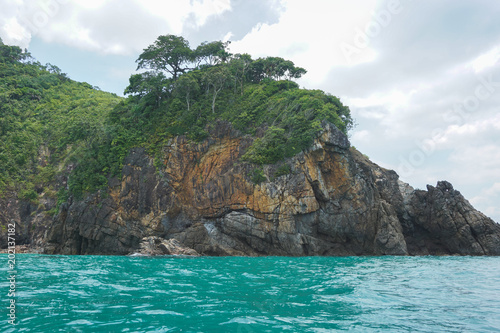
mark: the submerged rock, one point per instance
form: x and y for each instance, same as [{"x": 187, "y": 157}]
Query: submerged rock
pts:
[{"x": 334, "y": 201}]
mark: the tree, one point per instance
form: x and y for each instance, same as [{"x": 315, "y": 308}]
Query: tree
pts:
[
  {"x": 12, "y": 54},
  {"x": 53, "y": 68},
  {"x": 296, "y": 73},
  {"x": 169, "y": 53},
  {"x": 148, "y": 83},
  {"x": 217, "y": 78},
  {"x": 187, "y": 85},
  {"x": 239, "y": 65},
  {"x": 212, "y": 53},
  {"x": 275, "y": 68}
]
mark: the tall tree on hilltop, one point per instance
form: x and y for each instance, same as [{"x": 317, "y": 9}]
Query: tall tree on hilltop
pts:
[
  {"x": 275, "y": 68},
  {"x": 212, "y": 53},
  {"x": 168, "y": 53}
]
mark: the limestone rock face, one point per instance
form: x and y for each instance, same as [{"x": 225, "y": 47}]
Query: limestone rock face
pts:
[{"x": 333, "y": 202}]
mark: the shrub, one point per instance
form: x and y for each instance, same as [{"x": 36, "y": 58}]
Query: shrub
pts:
[
  {"x": 258, "y": 176},
  {"x": 283, "y": 170}
]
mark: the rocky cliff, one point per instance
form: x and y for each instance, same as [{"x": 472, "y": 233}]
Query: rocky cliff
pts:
[{"x": 330, "y": 201}]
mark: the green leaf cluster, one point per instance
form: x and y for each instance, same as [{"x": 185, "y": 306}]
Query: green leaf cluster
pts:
[{"x": 258, "y": 176}]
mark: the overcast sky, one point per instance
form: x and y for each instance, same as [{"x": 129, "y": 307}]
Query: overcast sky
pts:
[{"x": 422, "y": 78}]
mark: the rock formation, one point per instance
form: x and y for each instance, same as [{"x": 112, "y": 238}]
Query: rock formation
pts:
[
  {"x": 157, "y": 246},
  {"x": 334, "y": 201}
]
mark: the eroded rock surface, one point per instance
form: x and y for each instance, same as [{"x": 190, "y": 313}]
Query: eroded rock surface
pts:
[
  {"x": 333, "y": 202},
  {"x": 157, "y": 246}
]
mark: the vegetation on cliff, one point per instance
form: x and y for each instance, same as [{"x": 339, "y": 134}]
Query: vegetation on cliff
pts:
[
  {"x": 49, "y": 123},
  {"x": 208, "y": 83}
]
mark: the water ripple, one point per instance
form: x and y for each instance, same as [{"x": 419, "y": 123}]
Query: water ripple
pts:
[{"x": 268, "y": 294}]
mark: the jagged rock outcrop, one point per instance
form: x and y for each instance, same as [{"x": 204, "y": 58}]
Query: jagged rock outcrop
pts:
[
  {"x": 333, "y": 202},
  {"x": 157, "y": 246},
  {"x": 443, "y": 222}
]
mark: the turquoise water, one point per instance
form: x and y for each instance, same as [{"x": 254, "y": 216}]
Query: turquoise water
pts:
[{"x": 268, "y": 294}]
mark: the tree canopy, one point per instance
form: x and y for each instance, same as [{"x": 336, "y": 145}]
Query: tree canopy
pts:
[
  {"x": 209, "y": 83},
  {"x": 168, "y": 53},
  {"x": 173, "y": 55},
  {"x": 12, "y": 54}
]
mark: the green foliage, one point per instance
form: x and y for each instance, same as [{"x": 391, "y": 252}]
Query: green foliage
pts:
[
  {"x": 283, "y": 170},
  {"x": 12, "y": 54},
  {"x": 168, "y": 53},
  {"x": 212, "y": 53},
  {"x": 28, "y": 192},
  {"x": 258, "y": 176},
  {"x": 62, "y": 197},
  {"x": 274, "y": 68},
  {"x": 42, "y": 114},
  {"x": 268, "y": 149}
]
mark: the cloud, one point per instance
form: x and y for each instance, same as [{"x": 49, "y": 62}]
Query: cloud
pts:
[
  {"x": 488, "y": 198},
  {"x": 422, "y": 71},
  {"x": 11, "y": 32},
  {"x": 486, "y": 60},
  {"x": 308, "y": 33},
  {"x": 235, "y": 23},
  {"x": 476, "y": 157},
  {"x": 422, "y": 105},
  {"x": 109, "y": 27}
]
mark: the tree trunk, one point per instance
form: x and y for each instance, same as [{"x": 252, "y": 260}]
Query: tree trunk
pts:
[
  {"x": 213, "y": 101},
  {"x": 216, "y": 91}
]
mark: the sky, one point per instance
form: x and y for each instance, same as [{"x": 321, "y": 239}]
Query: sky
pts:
[{"x": 422, "y": 78}]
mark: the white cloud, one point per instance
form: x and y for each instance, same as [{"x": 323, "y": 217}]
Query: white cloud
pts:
[
  {"x": 477, "y": 157},
  {"x": 360, "y": 136},
  {"x": 486, "y": 60},
  {"x": 105, "y": 26},
  {"x": 177, "y": 12},
  {"x": 488, "y": 199},
  {"x": 207, "y": 8},
  {"x": 310, "y": 34},
  {"x": 227, "y": 37},
  {"x": 14, "y": 33},
  {"x": 474, "y": 133},
  {"x": 89, "y": 4},
  {"x": 392, "y": 100}
]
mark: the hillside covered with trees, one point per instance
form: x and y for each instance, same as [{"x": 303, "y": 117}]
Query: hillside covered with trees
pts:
[{"x": 51, "y": 125}]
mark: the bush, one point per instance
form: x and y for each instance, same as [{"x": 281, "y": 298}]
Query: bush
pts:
[
  {"x": 283, "y": 170},
  {"x": 258, "y": 176}
]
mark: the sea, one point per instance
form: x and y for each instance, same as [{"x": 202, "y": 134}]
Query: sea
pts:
[{"x": 249, "y": 294}]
